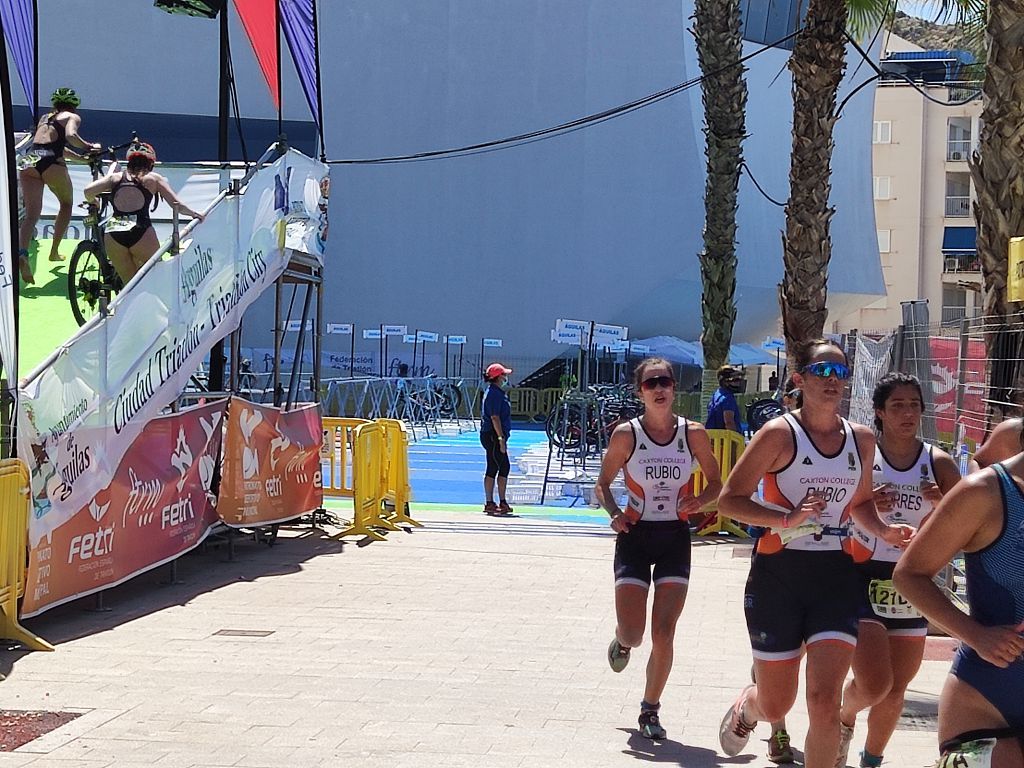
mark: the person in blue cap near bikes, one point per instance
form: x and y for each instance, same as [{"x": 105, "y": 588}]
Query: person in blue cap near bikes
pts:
[{"x": 44, "y": 166}]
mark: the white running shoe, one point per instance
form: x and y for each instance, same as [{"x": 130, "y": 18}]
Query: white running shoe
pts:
[
  {"x": 618, "y": 656},
  {"x": 734, "y": 732},
  {"x": 845, "y": 739}
]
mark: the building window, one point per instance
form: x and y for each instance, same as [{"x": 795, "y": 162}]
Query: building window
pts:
[
  {"x": 883, "y": 187},
  {"x": 882, "y": 133},
  {"x": 884, "y": 240}
]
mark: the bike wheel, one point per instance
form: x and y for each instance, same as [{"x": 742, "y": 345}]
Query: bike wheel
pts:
[
  {"x": 85, "y": 277},
  {"x": 451, "y": 399},
  {"x": 564, "y": 426}
]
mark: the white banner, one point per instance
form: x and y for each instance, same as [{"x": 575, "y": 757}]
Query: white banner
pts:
[
  {"x": 454, "y": 339},
  {"x": 395, "y": 330},
  {"x": 80, "y": 412},
  {"x": 492, "y": 342},
  {"x": 371, "y": 333},
  {"x": 341, "y": 329},
  {"x": 426, "y": 336},
  {"x": 8, "y": 242}
]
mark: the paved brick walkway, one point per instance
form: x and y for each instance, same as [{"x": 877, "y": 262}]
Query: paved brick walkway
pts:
[{"x": 472, "y": 642}]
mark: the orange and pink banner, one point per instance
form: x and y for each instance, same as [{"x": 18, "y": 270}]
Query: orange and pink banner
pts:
[
  {"x": 158, "y": 506},
  {"x": 271, "y": 470},
  {"x": 945, "y": 381}
]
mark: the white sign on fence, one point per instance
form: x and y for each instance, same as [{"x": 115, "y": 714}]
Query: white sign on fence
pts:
[
  {"x": 565, "y": 336},
  {"x": 396, "y": 330},
  {"x": 293, "y": 325},
  {"x": 455, "y": 339},
  {"x": 604, "y": 332},
  {"x": 371, "y": 333},
  {"x": 343, "y": 329},
  {"x": 492, "y": 342},
  {"x": 409, "y": 338},
  {"x": 426, "y": 336}
]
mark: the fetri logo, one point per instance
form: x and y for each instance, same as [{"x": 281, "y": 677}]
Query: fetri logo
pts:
[
  {"x": 97, "y": 511},
  {"x": 89, "y": 545}
]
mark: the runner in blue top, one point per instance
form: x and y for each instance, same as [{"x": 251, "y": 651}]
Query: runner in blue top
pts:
[
  {"x": 495, "y": 426},
  {"x": 723, "y": 410},
  {"x": 981, "y": 709}
]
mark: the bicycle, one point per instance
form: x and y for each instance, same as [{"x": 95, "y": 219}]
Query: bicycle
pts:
[{"x": 92, "y": 279}]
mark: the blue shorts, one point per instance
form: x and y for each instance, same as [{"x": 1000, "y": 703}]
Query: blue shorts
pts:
[
  {"x": 663, "y": 546},
  {"x": 1001, "y": 687},
  {"x": 795, "y": 597}
]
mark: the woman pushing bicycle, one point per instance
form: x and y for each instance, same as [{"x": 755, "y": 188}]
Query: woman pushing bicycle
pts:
[
  {"x": 129, "y": 237},
  {"x": 44, "y": 166}
]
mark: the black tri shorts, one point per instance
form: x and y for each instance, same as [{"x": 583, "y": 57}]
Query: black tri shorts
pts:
[
  {"x": 795, "y": 597},
  {"x": 882, "y": 604},
  {"x": 663, "y": 546}
]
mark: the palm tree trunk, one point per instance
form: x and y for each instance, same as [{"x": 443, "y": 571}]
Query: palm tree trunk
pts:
[
  {"x": 717, "y": 29},
  {"x": 817, "y": 64},
  {"x": 998, "y": 164},
  {"x": 997, "y": 168}
]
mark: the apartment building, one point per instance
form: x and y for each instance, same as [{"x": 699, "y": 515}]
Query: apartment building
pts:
[{"x": 922, "y": 187}]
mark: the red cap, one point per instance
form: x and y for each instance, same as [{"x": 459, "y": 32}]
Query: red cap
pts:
[{"x": 494, "y": 370}]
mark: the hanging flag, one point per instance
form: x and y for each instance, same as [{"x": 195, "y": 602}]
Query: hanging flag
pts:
[
  {"x": 8, "y": 229},
  {"x": 298, "y": 23},
  {"x": 18, "y": 19},
  {"x": 259, "y": 17}
]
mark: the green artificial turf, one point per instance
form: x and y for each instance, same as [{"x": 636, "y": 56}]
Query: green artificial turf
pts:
[{"x": 44, "y": 313}]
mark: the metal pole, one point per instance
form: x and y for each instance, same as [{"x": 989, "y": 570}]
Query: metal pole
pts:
[
  {"x": 318, "y": 339},
  {"x": 381, "y": 351},
  {"x": 216, "y": 378},
  {"x": 278, "y": 339},
  {"x": 446, "y": 356},
  {"x": 352, "y": 354},
  {"x": 415, "y": 346},
  {"x": 319, "y": 97},
  {"x": 277, "y": 41}
]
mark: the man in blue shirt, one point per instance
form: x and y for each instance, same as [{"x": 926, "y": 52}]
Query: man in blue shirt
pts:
[{"x": 723, "y": 410}]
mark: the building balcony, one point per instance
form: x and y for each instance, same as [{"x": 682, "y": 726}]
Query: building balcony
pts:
[
  {"x": 958, "y": 207},
  {"x": 961, "y": 263},
  {"x": 953, "y": 315},
  {"x": 958, "y": 151}
]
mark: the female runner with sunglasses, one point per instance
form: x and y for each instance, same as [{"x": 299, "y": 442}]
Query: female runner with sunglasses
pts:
[
  {"x": 656, "y": 453},
  {"x": 910, "y": 477},
  {"x": 803, "y": 591}
]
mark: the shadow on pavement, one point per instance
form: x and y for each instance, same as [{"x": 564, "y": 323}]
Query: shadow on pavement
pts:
[
  {"x": 202, "y": 570},
  {"x": 669, "y": 751}
]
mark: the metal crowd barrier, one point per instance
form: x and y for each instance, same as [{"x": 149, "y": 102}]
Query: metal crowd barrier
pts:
[{"x": 424, "y": 404}]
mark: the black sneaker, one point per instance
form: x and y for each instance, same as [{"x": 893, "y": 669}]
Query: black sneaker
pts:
[{"x": 650, "y": 726}]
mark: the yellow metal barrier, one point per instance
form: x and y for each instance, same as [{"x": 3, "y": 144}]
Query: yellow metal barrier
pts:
[
  {"x": 546, "y": 400},
  {"x": 523, "y": 402},
  {"x": 396, "y": 490},
  {"x": 367, "y": 488},
  {"x": 727, "y": 446},
  {"x": 14, "y": 506},
  {"x": 337, "y": 452}
]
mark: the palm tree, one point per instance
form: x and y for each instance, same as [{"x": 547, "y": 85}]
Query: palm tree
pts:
[
  {"x": 817, "y": 65},
  {"x": 997, "y": 166},
  {"x": 717, "y": 30}
]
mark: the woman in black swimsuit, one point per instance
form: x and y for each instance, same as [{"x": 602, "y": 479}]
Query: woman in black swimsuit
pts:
[
  {"x": 129, "y": 237},
  {"x": 46, "y": 167}
]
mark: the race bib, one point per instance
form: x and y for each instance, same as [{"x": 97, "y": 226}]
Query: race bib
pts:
[
  {"x": 27, "y": 160},
  {"x": 973, "y": 754},
  {"x": 119, "y": 224},
  {"x": 787, "y": 535},
  {"x": 888, "y": 603}
]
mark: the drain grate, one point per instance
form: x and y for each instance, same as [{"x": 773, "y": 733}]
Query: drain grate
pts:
[
  {"x": 244, "y": 632},
  {"x": 18, "y": 728}
]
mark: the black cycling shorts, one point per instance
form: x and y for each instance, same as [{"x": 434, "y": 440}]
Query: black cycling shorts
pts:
[
  {"x": 896, "y": 626},
  {"x": 663, "y": 545},
  {"x": 498, "y": 464},
  {"x": 795, "y": 597}
]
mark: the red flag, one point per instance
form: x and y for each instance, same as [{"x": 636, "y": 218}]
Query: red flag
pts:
[{"x": 259, "y": 17}]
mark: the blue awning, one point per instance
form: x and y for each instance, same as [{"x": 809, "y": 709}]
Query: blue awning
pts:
[{"x": 959, "y": 240}]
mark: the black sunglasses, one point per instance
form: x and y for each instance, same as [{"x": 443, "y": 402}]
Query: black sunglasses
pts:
[
  {"x": 666, "y": 382},
  {"x": 825, "y": 369}
]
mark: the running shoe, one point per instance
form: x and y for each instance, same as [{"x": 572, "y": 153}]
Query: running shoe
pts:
[
  {"x": 650, "y": 726},
  {"x": 870, "y": 761},
  {"x": 779, "y": 751},
  {"x": 504, "y": 508},
  {"x": 734, "y": 732},
  {"x": 490, "y": 508},
  {"x": 618, "y": 656},
  {"x": 845, "y": 739}
]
